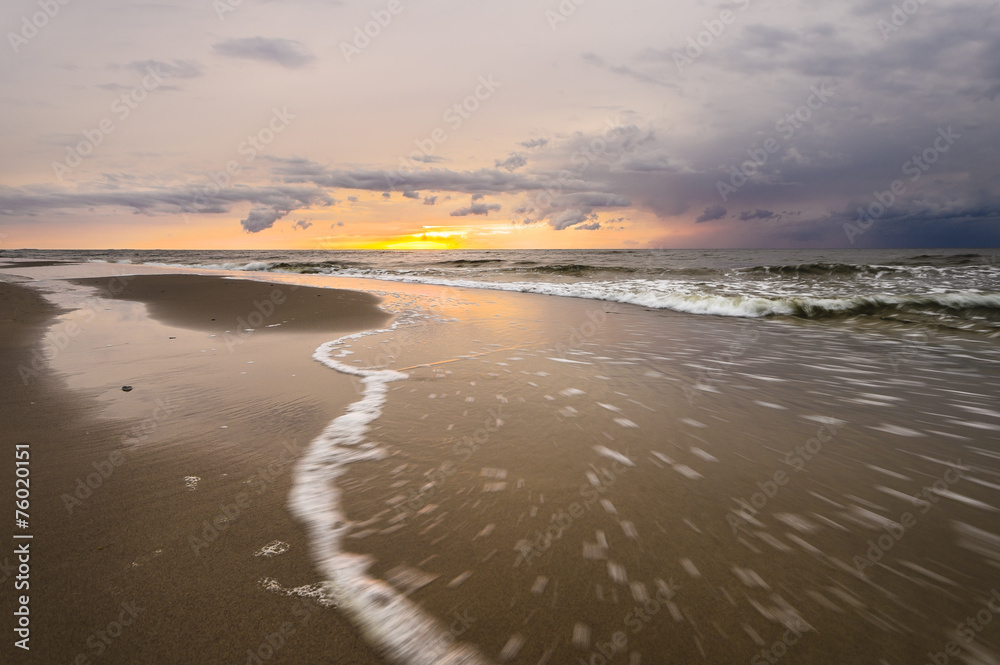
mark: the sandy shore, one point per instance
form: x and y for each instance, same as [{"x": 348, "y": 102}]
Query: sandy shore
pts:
[
  {"x": 561, "y": 480},
  {"x": 139, "y": 565}
]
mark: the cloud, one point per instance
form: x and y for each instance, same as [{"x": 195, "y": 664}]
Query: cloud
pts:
[
  {"x": 595, "y": 226},
  {"x": 336, "y": 224},
  {"x": 285, "y": 52},
  {"x": 411, "y": 194},
  {"x": 627, "y": 71},
  {"x": 430, "y": 200},
  {"x": 534, "y": 143},
  {"x": 181, "y": 69},
  {"x": 270, "y": 202},
  {"x": 592, "y": 200},
  {"x": 514, "y": 161},
  {"x": 568, "y": 218},
  {"x": 261, "y": 218},
  {"x": 711, "y": 213},
  {"x": 653, "y": 161},
  {"x": 476, "y": 209},
  {"x": 493, "y": 181},
  {"x": 301, "y": 224},
  {"x": 756, "y": 214}
]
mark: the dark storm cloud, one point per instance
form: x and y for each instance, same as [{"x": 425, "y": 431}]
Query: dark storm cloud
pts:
[
  {"x": 285, "y": 52},
  {"x": 711, "y": 213},
  {"x": 892, "y": 93}
]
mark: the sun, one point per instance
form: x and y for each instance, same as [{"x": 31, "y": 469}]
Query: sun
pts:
[
  {"x": 427, "y": 240},
  {"x": 419, "y": 244}
]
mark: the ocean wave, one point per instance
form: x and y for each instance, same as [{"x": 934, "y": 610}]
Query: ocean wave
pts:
[
  {"x": 667, "y": 294},
  {"x": 823, "y": 269},
  {"x": 468, "y": 262},
  {"x": 240, "y": 266},
  {"x": 701, "y": 291},
  {"x": 577, "y": 269}
]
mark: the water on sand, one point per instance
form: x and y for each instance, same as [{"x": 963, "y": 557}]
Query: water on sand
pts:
[{"x": 563, "y": 481}]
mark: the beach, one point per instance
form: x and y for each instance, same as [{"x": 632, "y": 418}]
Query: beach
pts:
[
  {"x": 120, "y": 537},
  {"x": 533, "y": 478}
]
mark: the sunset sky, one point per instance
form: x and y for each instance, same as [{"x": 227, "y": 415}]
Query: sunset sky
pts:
[{"x": 446, "y": 124}]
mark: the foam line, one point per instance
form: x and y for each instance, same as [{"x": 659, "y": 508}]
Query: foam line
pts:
[{"x": 397, "y": 627}]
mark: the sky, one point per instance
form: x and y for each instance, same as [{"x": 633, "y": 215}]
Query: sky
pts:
[{"x": 409, "y": 124}]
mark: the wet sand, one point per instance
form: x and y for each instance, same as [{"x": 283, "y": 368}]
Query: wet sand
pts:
[
  {"x": 574, "y": 481},
  {"x": 564, "y": 480},
  {"x": 143, "y": 566}
]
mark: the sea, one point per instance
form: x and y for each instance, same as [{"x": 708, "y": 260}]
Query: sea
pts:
[
  {"x": 951, "y": 288},
  {"x": 643, "y": 457}
]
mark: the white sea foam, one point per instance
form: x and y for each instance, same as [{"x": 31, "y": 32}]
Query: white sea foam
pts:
[
  {"x": 403, "y": 631},
  {"x": 273, "y": 548}
]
